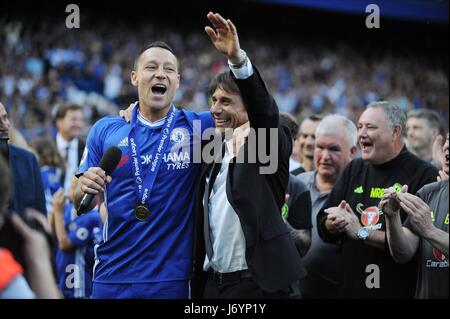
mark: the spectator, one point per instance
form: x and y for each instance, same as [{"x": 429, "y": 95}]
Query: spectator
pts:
[
  {"x": 350, "y": 216},
  {"x": 52, "y": 167},
  {"x": 27, "y": 188},
  {"x": 70, "y": 123},
  {"x": 425, "y": 232},
  {"x": 423, "y": 126},
  {"x": 307, "y": 138},
  {"x": 335, "y": 147}
]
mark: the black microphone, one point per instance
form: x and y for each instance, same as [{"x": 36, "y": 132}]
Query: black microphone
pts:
[{"x": 108, "y": 163}]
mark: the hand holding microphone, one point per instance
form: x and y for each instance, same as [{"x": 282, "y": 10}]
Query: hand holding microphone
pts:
[{"x": 94, "y": 180}]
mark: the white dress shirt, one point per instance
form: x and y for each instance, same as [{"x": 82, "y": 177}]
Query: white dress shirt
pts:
[
  {"x": 69, "y": 151},
  {"x": 227, "y": 237}
]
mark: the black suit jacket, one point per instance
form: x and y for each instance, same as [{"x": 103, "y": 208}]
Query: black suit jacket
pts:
[
  {"x": 27, "y": 189},
  {"x": 257, "y": 199}
]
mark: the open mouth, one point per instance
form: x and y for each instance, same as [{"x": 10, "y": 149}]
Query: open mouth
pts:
[
  {"x": 446, "y": 159},
  {"x": 365, "y": 145},
  {"x": 159, "y": 89}
]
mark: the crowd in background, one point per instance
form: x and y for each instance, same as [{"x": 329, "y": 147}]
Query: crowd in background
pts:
[
  {"x": 44, "y": 66},
  {"x": 56, "y": 83}
]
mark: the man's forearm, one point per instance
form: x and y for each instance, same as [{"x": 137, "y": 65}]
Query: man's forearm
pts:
[
  {"x": 376, "y": 239},
  {"x": 439, "y": 240},
  {"x": 64, "y": 242},
  {"x": 402, "y": 247},
  {"x": 77, "y": 195},
  {"x": 301, "y": 238}
]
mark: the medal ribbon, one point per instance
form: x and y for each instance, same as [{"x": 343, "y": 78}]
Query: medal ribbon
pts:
[{"x": 143, "y": 183}]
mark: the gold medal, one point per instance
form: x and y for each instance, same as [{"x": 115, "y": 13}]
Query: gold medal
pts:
[{"x": 141, "y": 212}]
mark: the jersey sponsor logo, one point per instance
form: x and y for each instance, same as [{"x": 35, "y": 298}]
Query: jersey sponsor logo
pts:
[
  {"x": 146, "y": 159},
  {"x": 378, "y": 192},
  {"x": 369, "y": 216},
  {"x": 177, "y": 161},
  {"x": 179, "y": 135},
  {"x": 359, "y": 190},
  {"x": 123, "y": 143},
  {"x": 177, "y": 157},
  {"x": 441, "y": 261}
]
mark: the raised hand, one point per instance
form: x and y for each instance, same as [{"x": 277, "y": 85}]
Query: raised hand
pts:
[
  {"x": 389, "y": 204},
  {"x": 419, "y": 213},
  {"x": 224, "y": 37}
]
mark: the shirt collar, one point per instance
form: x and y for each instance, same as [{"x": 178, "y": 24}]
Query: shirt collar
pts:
[
  {"x": 147, "y": 122},
  {"x": 62, "y": 143}
]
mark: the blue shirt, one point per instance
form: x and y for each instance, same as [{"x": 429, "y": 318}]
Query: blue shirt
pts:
[
  {"x": 75, "y": 267},
  {"x": 161, "y": 247}
]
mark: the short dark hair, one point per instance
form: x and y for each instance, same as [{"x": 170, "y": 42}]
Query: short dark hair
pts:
[
  {"x": 155, "y": 44},
  {"x": 431, "y": 116},
  {"x": 225, "y": 81},
  {"x": 63, "y": 109},
  {"x": 289, "y": 120},
  {"x": 4, "y": 183}
]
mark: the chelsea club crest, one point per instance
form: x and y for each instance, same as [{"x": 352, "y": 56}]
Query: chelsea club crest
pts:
[{"x": 179, "y": 135}]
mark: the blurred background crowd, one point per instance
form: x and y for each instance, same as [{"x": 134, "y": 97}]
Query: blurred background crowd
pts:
[{"x": 45, "y": 64}]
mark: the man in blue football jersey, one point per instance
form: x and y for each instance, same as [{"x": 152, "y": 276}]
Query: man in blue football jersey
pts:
[{"x": 147, "y": 244}]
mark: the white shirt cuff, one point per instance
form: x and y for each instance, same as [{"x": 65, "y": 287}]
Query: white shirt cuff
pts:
[{"x": 244, "y": 72}]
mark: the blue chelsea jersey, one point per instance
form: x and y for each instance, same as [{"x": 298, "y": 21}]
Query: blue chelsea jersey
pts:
[
  {"x": 159, "y": 248},
  {"x": 75, "y": 267}
]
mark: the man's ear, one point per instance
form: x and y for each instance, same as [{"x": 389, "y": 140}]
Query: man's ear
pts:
[
  {"x": 397, "y": 131},
  {"x": 133, "y": 77},
  {"x": 353, "y": 151},
  {"x": 434, "y": 132},
  {"x": 179, "y": 78}
]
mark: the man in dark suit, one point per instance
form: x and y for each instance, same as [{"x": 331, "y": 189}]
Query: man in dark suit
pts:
[
  {"x": 242, "y": 246},
  {"x": 70, "y": 125},
  {"x": 27, "y": 189}
]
